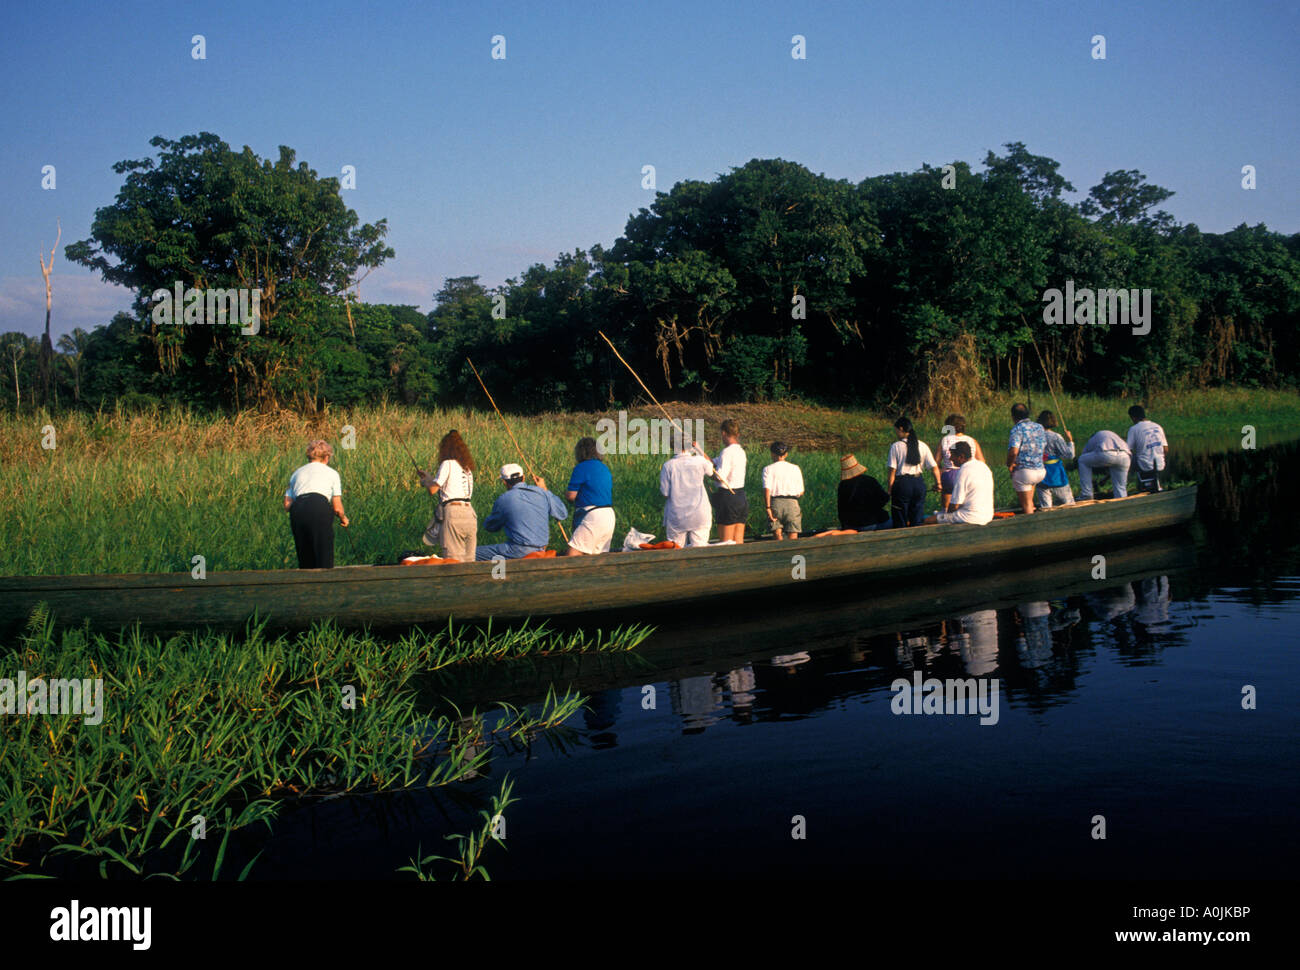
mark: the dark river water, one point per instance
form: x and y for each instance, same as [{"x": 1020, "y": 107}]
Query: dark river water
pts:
[{"x": 1122, "y": 702}]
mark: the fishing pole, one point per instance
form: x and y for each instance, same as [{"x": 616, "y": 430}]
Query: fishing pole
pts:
[
  {"x": 510, "y": 433},
  {"x": 1046, "y": 375},
  {"x": 671, "y": 421}
]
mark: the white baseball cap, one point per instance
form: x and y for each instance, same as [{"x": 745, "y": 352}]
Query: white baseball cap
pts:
[{"x": 511, "y": 471}]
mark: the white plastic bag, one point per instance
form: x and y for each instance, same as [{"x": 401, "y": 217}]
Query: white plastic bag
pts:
[{"x": 635, "y": 539}]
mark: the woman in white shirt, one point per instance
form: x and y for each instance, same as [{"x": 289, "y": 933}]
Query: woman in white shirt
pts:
[
  {"x": 313, "y": 498},
  {"x": 947, "y": 470},
  {"x": 909, "y": 459},
  {"x": 455, "y": 524}
]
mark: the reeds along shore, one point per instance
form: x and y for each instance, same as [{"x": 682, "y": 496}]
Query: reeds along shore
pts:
[
  {"x": 229, "y": 729},
  {"x": 125, "y": 493}
]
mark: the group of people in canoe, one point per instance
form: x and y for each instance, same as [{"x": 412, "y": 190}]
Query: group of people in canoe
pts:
[{"x": 1036, "y": 458}]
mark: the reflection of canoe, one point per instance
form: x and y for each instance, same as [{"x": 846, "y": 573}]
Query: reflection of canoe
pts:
[
  {"x": 691, "y": 644},
  {"x": 389, "y": 596}
]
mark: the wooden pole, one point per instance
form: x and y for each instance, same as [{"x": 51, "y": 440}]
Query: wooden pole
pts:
[
  {"x": 671, "y": 421},
  {"x": 1046, "y": 375},
  {"x": 510, "y": 433}
]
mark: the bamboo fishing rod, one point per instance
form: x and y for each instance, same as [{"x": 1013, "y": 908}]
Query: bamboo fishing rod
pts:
[
  {"x": 670, "y": 418},
  {"x": 510, "y": 433},
  {"x": 1046, "y": 375}
]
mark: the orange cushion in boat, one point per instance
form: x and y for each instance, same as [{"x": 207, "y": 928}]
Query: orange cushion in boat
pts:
[
  {"x": 425, "y": 561},
  {"x": 1004, "y": 515},
  {"x": 666, "y": 544},
  {"x": 540, "y": 554}
]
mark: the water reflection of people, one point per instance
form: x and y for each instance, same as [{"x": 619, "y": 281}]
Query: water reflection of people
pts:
[
  {"x": 1034, "y": 642},
  {"x": 1109, "y": 604},
  {"x": 978, "y": 642},
  {"x": 694, "y": 699},
  {"x": 740, "y": 688},
  {"x": 600, "y": 714},
  {"x": 1152, "y": 601}
]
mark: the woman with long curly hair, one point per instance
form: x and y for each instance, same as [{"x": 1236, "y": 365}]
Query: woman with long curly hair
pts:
[{"x": 454, "y": 525}]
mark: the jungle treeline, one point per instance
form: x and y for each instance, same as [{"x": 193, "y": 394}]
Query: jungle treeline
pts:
[{"x": 908, "y": 289}]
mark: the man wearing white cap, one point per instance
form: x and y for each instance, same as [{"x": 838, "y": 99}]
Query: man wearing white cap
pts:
[{"x": 525, "y": 513}]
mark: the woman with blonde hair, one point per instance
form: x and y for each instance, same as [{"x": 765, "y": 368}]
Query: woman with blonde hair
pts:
[
  {"x": 313, "y": 498},
  {"x": 455, "y": 524}
]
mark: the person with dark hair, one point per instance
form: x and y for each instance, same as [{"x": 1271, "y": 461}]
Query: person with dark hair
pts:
[
  {"x": 782, "y": 489},
  {"x": 909, "y": 459},
  {"x": 730, "y": 506},
  {"x": 455, "y": 524},
  {"x": 860, "y": 499},
  {"x": 1055, "y": 486},
  {"x": 948, "y": 470},
  {"x": 1025, "y": 456},
  {"x": 591, "y": 490},
  {"x": 524, "y": 512},
  {"x": 1150, "y": 448},
  {"x": 313, "y": 498},
  {"x": 972, "y": 495}
]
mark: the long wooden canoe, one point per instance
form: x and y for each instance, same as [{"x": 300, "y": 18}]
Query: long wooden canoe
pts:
[{"x": 624, "y": 583}]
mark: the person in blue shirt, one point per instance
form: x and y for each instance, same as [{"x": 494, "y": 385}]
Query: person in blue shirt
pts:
[
  {"x": 591, "y": 490},
  {"x": 1025, "y": 448},
  {"x": 524, "y": 512}
]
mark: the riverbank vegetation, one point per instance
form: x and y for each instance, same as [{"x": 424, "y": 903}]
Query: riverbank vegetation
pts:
[
  {"x": 214, "y": 734},
  {"x": 124, "y": 492}
]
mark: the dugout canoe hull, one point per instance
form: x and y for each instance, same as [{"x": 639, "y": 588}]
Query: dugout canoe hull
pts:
[{"x": 625, "y": 583}]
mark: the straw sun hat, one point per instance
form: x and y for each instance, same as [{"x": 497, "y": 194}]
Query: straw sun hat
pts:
[{"x": 849, "y": 468}]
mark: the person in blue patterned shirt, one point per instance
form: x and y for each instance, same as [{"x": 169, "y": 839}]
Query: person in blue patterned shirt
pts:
[{"x": 1025, "y": 456}]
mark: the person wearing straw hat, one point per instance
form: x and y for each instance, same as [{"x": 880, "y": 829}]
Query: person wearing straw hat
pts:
[
  {"x": 861, "y": 499},
  {"x": 524, "y": 513},
  {"x": 313, "y": 498}
]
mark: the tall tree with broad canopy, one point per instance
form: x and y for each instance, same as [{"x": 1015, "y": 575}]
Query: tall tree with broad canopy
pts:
[{"x": 210, "y": 218}]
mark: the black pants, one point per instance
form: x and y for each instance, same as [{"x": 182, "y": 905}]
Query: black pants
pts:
[
  {"x": 907, "y": 500},
  {"x": 311, "y": 517},
  {"x": 1149, "y": 481}
]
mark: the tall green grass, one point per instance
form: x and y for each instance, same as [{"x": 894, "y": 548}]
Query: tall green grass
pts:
[
  {"x": 124, "y": 493},
  {"x": 230, "y": 728}
]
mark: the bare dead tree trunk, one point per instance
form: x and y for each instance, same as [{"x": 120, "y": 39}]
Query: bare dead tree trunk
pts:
[{"x": 45, "y": 369}]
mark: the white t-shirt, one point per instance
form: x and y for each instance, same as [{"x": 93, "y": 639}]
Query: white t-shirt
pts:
[
  {"x": 1105, "y": 441},
  {"x": 945, "y": 449},
  {"x": 455, "y": 483},
  {"x": 316, "y": 478},
  {"x": 681, "y": 481},
  {"x": 1147, "y": 441},
  {"x": 974, "y": 493},
  {"x": 730, "y": 463},
  {"x": 784, "y": 479},
  {"x": 898, "y": 458}
]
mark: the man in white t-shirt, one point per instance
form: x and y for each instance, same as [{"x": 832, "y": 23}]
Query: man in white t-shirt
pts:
[
  {"x": 782, "y": 489},
  {"x": 972, "y": 494},
  {"x": 1150, "y": 448}
]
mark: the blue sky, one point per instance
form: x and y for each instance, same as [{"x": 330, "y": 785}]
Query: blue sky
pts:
[{"x": 485, "y": 166}]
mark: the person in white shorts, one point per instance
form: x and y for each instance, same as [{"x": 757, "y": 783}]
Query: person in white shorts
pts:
[
  {"x": 1025, "y": 456},
  {"x": 591, "y": 490},
  {"x": 1106, "y": 450}
]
